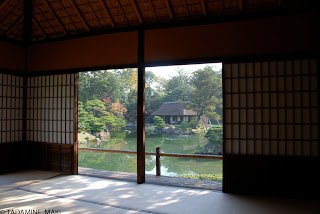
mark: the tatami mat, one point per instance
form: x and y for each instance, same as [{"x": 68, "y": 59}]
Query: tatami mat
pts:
[{"x": 85, "y": 194}]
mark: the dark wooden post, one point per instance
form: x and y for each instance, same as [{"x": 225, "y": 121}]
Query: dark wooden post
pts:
[
  {"x": 158, "y": 163},
  {"x": 141, "y": 111}
]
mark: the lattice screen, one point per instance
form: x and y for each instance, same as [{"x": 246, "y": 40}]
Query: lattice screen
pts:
[
  {"x": 11, "y": 105},
  {"x": 271, "y": 108},
  {"x": 50, "y": 109}
]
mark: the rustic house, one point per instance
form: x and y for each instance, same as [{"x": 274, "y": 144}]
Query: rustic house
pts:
[{"x": 175, "y": 113}]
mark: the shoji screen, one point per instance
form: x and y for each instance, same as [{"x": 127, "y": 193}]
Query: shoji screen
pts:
[
  {"x": 51, "y": 119},
  {"x": 271, "y": 108},
  {"x": 271, "y": 126},
  {"x": 11, "y": 104},
  {"x": 11, "y": 121}
]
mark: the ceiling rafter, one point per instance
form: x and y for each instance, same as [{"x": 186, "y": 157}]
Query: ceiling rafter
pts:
[
  {"x": 84, "y": 21},
  {"x": 75, "y": 26},
  {"x": 241, "y": 5},
  {"x": 186, "y": 6},
  {"x": 154, "y": 12},
  {"x": 204, "y": 9},
  {"x": 13, "y": 8},
  {"x": 169, "y": 9},
  {"x": 18, "y": 20},
  {"x": 105, "y": 8},
  {"x": 2, "y": 4},
  {"x": 38, "y": 26},
  {"x": 133, "y": 2},
  {"x": 55, "y": 16},
  {"x": 36, "y": 4},
  {"x": 94, "y": 14},
  {"x": 119, "y": 5}
]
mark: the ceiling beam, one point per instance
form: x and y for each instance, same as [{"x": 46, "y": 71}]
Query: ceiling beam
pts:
[
  {"x": 124, "y": 16},
  {"x": 2, "y": 4},
  {"x": 105, "y": 8},
  {"x": 204, "y": 9},
  {"x": 55, "y": 16},
  {"x": 27, "y": 21},
  {"x": 154, "y": 12},
  {"x": 241, "y": 5},
  {"x": 84, "y": 21},
  {"x": 169, "y": 9},
  {"x": 133, "y": 2},
  {"x": 186, "y": 6},
  {"x": 18, "y": 21},
  {"x": 38, "y": 26}
]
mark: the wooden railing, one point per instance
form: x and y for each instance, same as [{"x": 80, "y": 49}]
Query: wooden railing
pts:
[{"x": 158, "y": 154}]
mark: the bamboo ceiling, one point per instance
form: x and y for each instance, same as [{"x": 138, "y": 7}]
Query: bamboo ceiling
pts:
[{"x": 59, "y": 18}]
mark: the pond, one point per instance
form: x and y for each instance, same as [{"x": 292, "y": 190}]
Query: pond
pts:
[{"x": 170, "y": 166}]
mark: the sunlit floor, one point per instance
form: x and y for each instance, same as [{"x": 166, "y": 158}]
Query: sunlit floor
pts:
[{"x": 42, "y": 191}]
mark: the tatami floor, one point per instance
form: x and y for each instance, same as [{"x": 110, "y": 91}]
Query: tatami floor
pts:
[{"x": 42, "y": 191}]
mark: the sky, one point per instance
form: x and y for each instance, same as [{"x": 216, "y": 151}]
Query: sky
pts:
[{"x": 170, "y": 71}]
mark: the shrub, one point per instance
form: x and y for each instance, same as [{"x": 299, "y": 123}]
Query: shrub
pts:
[
  {"x": 211, "y": 177},
  {"x": 215, "y": 134},
  {"x": 184, "y": 126},
  {"x": 159, "y": 123}
]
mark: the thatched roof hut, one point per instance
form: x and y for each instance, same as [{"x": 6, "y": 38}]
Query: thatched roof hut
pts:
[
  {"x": 175, "y": 113},
  {"x": 174, "y": 109}
]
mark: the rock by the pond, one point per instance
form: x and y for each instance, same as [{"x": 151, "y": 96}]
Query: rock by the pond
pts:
[
  {"x": 170, "y": 130},
  {"x": 164, "y": 130},
  {"x": 187, "y": 132},
  {"x": 178, "y": 132},
  {"x": 211, "y": 149}
]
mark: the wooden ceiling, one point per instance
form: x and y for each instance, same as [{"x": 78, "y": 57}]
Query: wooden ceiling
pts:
[{"x": 52, "y": 19}]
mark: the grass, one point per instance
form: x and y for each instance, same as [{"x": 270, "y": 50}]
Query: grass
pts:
[
  {"x": 83, "y": 135},
  {"x": 209, "y": 177}
]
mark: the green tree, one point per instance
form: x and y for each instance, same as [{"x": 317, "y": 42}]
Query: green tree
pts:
[
  {"x": 206, "y": 94},
  {"x": 112, "y": 121},
  {"x": 95, "y": 125},
  {"x": 215, "y": 134},
  {"x": 178, "y": 87},
  {"x": 159, "y": 123},
  {"x": 82, "y": 118},
  {"x": 95, "y": 106}
]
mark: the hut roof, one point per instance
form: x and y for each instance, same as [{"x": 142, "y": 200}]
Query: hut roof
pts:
[
  {"x": 173, "y": 108},
  {"x": 53, "y": 19}
]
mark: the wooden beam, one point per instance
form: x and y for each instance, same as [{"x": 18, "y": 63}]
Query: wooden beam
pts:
[
  {"x": 141, "y": 156},
  {"x": 84, "y": 21},
  {"x": 154, "y": 12},
  {"x": 36, "y": 4},
  {"x": 55, "y": 16},
  {"x": 186, "y": 6},
  {"x": 133, "y": 2},
  {"x": 169, "y": 9},
  {"x": 27, "y": 20},
  {"x": 204, "y": 9},
  {"x": 38, "y": 25},
  {"x": 75, "y": 125},
  {"x": 105, "y": 8},
  {"x": 2, "y": 4},
  {"x": 19, "y": 19},
  {"x": 124, "y": 16},
  {"x": 241, "y": 5},
  {"x": 94, "y": 14}
]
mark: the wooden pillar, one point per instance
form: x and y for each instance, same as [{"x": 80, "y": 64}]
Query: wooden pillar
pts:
[{"x": 141, "y": 111}]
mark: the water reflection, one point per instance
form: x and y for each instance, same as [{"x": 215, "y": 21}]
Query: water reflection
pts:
[{"x": 170, "y": 166}]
